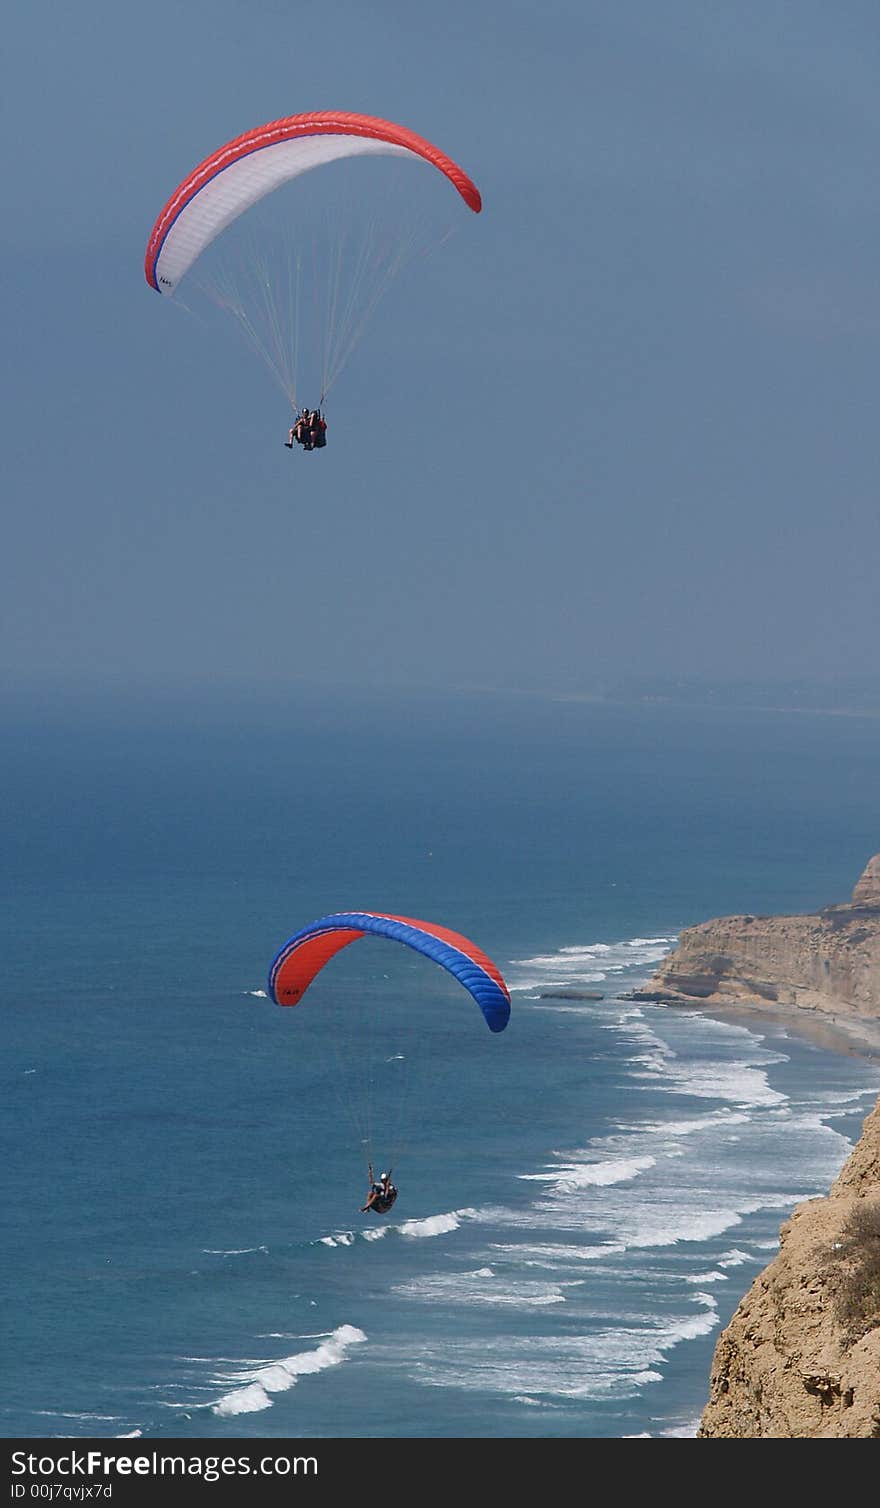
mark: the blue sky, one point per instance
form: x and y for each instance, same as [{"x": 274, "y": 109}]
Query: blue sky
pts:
[{"x": 665, "y": 327}]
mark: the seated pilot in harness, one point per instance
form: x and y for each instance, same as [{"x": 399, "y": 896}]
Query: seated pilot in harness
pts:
[
  {"x": 309, "y": 430},
  {"x": 382, "y": 1193}
]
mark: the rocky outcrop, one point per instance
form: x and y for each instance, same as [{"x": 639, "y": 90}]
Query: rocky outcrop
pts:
[
  {"x": 801, "y": 1356},
  {"x": 828, "y": 961},
  {"x": 867, "y": 891}
]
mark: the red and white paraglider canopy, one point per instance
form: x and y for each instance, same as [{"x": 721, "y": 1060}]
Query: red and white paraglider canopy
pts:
[{"x": 243, "y": 171}]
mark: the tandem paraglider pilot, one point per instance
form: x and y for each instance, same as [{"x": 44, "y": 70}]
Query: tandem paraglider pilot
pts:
[
  {"x": 309, "y": 431},
  {"x": 382, "y": 1194},
  {"x": 263, "y": 291}
]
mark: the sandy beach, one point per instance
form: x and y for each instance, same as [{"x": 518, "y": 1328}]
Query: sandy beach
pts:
[{"x": 854, "y": 1036}]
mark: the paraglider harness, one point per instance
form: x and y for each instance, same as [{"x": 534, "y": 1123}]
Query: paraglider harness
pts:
[
  {"x": 384, "y": 1199},
  {"x": 310, "y": 430}
]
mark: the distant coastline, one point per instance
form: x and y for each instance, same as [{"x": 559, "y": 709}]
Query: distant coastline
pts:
[{"x": 853, "y": 696}]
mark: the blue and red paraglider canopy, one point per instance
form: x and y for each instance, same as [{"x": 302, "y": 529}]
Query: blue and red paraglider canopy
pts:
[{"x": 305, "y": 954}]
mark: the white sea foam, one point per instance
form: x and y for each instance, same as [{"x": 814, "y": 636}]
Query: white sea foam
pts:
[
  {"x": 234, "y": 1251},
  {"x": 292, "y": 1335},
  {"x": 573, "y": 1176},
  {"x": 255, "y": 1383},
  {"x": 736, "y": 1071},
  {"x": 707, "y": 1277},
  {"x": 558, "y": 1008},
  {"x": 608, "y": 1361},
  {"x": 249, "y": 1400},
  {"x": 429, "y": 1225},
  {"x": 739, "y": 1083},
  {"x": 634, "y": 1218},
  {"x": 258, "y": 994},
  {"x": 435, "y": 1225},
  {"x": 481, "y": 1287},
  {"x": 843, "y": 1097},
  {"x": 672, "y": 1432},
  {"x": 651, "y": 1226},
  {"x": 715, "y": 1120},
  {"x": 736, "y": 1258},
  {"x": 339, "y": 1238},
  {"x": 650, "y": 1208},
  {"x": 554, "y": 1254},
  {"x": 78, "y": 1414},
  {"x": 696, "y": 1324},
  {"x": 629, "y": 1200},
  {"x": 588, "y": 964}
]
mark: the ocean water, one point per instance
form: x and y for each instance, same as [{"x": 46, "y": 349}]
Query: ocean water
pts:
[{"x": 583, "y": 1199}]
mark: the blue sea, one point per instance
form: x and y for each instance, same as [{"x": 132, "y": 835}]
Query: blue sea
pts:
[{"x": 583, "y": 1199}]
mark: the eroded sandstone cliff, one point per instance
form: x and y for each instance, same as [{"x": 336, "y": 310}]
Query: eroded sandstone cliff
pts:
[
  {"x": 801, "y": 1356},
  {"x": 828, "y": 961}
]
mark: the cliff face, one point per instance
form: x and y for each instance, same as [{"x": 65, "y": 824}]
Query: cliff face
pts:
[
  {"x": 792, "y": 1363},
  {"x": 801, "y": 1355},
  {"x": 828, "y": 961},
  {"x": 867, "y": 891}
]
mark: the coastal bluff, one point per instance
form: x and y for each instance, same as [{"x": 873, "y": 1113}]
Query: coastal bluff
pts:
[
  {"x": 800, "y": 1357},
  {"x": 826, "y": 962}
]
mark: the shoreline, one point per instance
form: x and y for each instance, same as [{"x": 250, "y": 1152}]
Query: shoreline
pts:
[{"x": 850, "y": 1036}]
